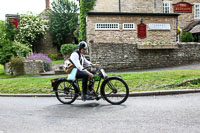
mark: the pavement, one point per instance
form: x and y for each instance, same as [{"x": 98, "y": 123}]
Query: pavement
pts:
[{"x": 134, "y": 94}]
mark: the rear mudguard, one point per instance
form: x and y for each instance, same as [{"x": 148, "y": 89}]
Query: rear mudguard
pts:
[
  {"x": 106, "y": 80},
  {"x": 55, "y": 82}
]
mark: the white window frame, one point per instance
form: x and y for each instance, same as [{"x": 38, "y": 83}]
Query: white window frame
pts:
[
  {"x": 107, "y": 26},
  {"x": 196, "y": 10},
  {"x": 128, "y": 26},
  {"x": 166, "y": 6},
  {"x": 159, "y": 26}
]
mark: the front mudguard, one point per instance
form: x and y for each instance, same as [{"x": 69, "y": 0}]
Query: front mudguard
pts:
[{"x": 105, "y": 81}]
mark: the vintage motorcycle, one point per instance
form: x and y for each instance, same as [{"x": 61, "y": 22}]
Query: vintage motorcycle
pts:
[{"x": 113, "y": 89}]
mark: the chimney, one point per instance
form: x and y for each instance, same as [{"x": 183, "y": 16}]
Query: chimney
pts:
[{"x": 47, "y": 4}]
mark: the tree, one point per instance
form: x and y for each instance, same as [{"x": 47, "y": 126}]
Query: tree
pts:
[
  {"x": 63, "y": 20},
  {"x": 31, "y": 29},
  {"x": 8, "y": 47},
  {"x": 85, "y": 7}
]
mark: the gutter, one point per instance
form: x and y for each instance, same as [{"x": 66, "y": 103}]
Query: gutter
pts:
[{"x": 133, "y": 13}]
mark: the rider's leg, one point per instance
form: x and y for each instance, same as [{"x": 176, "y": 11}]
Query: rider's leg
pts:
[{"x": 84, "y": 76}]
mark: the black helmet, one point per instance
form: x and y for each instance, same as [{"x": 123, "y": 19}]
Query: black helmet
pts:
[{"x": 83, "y": 45}]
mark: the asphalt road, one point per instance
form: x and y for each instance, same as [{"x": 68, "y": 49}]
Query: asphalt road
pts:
[{"x": 153, "y": 114}]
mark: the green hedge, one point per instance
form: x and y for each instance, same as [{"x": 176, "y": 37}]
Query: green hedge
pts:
[{"x": 68, "y": 48}]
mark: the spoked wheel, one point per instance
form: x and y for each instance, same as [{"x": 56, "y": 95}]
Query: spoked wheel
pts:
[
  {"x": 115, "y": 91},
  {"x": 66, "y": 93}
]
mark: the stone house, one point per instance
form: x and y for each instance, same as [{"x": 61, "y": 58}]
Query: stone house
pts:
[
  {"x": 161, "y": 17},
  {"x": 116, "y": 27}
]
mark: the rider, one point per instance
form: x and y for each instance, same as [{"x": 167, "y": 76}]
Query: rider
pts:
[{"x": 78, "y": 59}]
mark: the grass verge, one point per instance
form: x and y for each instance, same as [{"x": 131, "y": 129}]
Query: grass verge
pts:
[{"x": 137, "y": 81}]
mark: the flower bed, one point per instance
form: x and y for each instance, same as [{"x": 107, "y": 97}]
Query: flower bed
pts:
[{"x": 157, "y": 45}]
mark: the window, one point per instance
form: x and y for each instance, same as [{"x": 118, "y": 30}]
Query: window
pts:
[
  {"x": 158, "y": 26},
  {"x": 107, "y": 26},
  {"x": 128, "y": 26},
  {"x": 197, "y": 11},
  {"x": 166, "y": 6}
]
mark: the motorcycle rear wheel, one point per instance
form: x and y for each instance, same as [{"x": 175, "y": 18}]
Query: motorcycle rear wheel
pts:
[{"x": 66, "y": 92}]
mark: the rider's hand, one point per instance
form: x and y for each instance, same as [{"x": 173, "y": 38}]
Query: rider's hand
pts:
[{"x": 91, "y": 75}]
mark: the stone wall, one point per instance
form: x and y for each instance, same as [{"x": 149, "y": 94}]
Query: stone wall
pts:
[
  {"x": 30, "y": 67},
  {"x": 130, "y": 36},
  {"x": 124, "y": 56},
  {"x": 33, "y": 67}
]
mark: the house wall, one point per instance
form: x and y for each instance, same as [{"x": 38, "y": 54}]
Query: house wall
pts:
[
  {"x": 144, "y": 6},
  {"x": 129, "y": 36},
  {"x": 184, "y": 18}
]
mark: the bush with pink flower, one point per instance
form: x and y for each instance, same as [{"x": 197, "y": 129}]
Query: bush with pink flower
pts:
[{"x": 39, "y": 56}]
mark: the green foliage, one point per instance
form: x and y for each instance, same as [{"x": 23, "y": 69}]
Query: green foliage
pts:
[
  {"x": 31, "y": 29},
  {"x": 7, "y": 50},
  {"x": 53, "y": 56},
  {"x": 8, "y": 47},
  {"x": 21, "y": 49},
  {"x": 1, "y": 69},
  {"x": 12, "y": 48},
  {"x": 63, "y": 20},
  {"x": 68, "y": 48},
  {"x": 2, "y": 30},
  {"x": 16, "y": 65},
  {"x": 11, "y": 31},
  {"x": 187, "y": 37},
  {"x": 85, "y": 7}
]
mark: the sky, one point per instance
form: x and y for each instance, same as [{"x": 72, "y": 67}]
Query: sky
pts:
[{"x": 21, "y": 6}]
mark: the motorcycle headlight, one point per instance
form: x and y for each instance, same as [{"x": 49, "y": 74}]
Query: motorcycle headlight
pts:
[{"x": 103, "y": 73}]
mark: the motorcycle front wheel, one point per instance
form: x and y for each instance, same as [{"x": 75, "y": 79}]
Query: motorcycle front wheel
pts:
[{"x": 115, "y": 91}]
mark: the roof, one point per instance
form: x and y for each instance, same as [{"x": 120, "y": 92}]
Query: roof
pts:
[
  {"x": 12, "y": 15},
  {"x": 195, "y": 29},
  {"x": 133, "y": 13},
  {"x": 191, "y": 25}
]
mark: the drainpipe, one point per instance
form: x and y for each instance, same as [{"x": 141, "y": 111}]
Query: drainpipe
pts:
[{"x": 119, "y": 6}]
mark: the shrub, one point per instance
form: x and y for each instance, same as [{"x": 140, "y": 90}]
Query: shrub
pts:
[
  {"x": 52, "y": 56},
  {"x": 187, "y": 37},
  {"x": 39, "y": 56},
  {"x": 68, "y": 48},
  {"x": 55, "y": 56},
  {"x": 16, "y": 65},
  {"x": 21, "y": 49}
]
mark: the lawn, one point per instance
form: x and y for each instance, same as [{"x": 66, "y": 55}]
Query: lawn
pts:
[
  {"x": 57, "y": 62},
  {"x": 137, "y": 81}
]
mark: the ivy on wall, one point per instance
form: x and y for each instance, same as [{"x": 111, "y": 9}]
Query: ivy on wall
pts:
[{"x": 85, "y": 7}]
